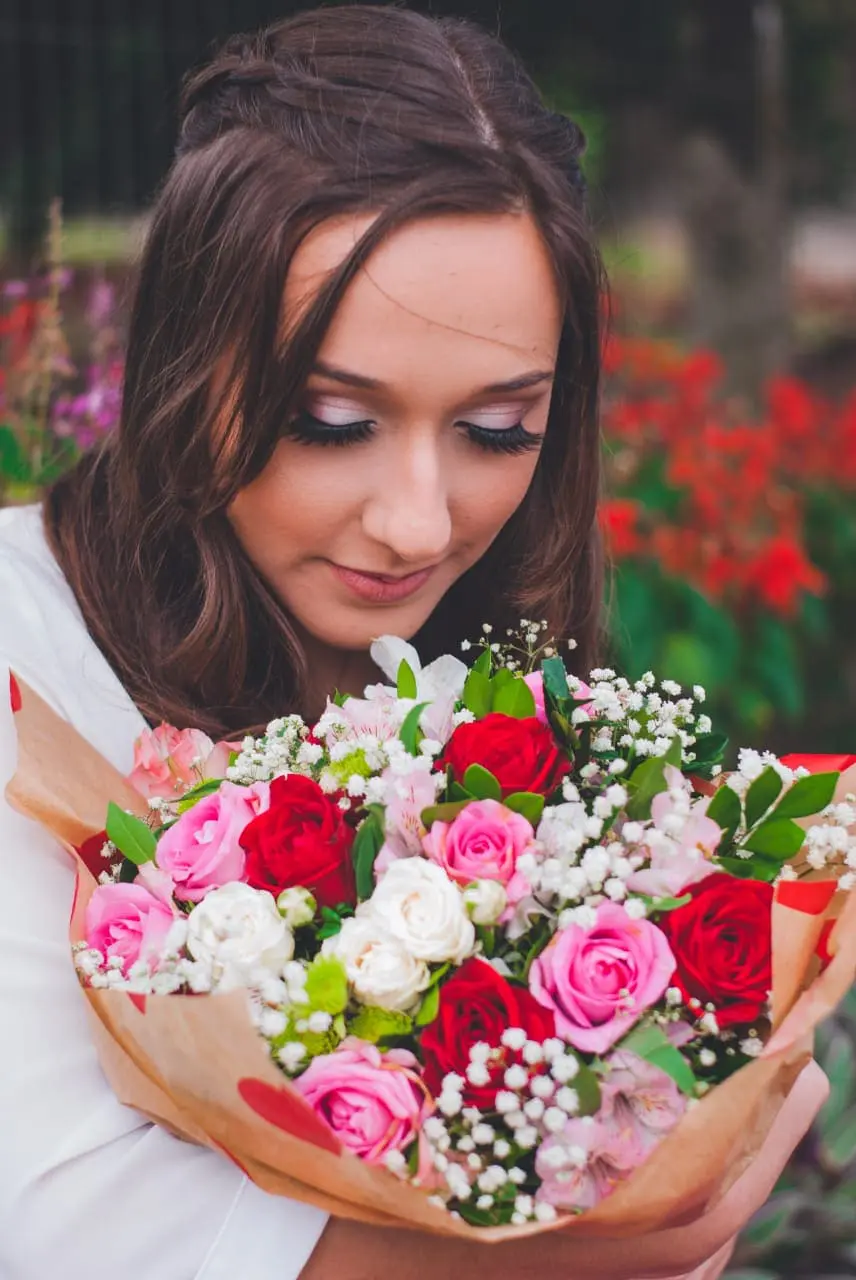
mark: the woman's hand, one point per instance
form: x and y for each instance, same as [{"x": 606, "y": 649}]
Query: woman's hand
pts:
[{"x": 696, "y": 1251}]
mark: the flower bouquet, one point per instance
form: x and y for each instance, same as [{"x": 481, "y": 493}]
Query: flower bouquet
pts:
[{"x": 488, "y": 951}]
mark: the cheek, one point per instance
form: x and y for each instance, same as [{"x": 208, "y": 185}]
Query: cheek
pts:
[
  {"x": 488, "y": 491},
  {"x": 298, "y": 498}
]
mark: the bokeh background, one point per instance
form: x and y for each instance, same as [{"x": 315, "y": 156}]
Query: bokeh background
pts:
[{"x": 722, "y": 170}]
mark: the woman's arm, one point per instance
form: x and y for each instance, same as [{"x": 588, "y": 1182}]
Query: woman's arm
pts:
[
  {"x": 697, "y": 1251},
  {"x": 87, "y": 1187}
]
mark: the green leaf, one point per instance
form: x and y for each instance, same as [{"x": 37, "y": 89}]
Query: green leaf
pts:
[
  {"x": 839, "y": 1064},
  {"x": 646, "y": 781},
  {"x": 478, "y": 694},
  {"x": 770, "y": 1225},
  {"x": 406, "y": 680},
  {"x": 725, "y": 810},
  {"x": 587, "y": 1086},
  {"x": 664, "y": 904},
  {"x": 838, "y": 1150},
  {"x": 130, "y": 835},
  {"x": 761, "y": 795},
  {"x": 127, "y": 871},
  {"x": 442, "y": 812},
  {"x": 776, "y": 837},
  {"x": 652, "y": 1044},
  {"x": 429, "y": 1007},
  {"x": 555, "y": 679},
  {"x": 13, "y": 460},
  {"x": 501, "y": 679},
  {"x": 206, "y": 788},
  {"x": 526, "y": 803},
  {"x": 482, "y": 663},
  {"x": 409, "y": 733},
  {"x": 373, "y": 1024},
  {"x": 808, "y": 796},
  {"x": 709, "y": 749},
  {"x": 327, "y": 985},
  {"x": 514, "y": 699},
  {"x": 481, "y": 783},
  {"x": 758, "y": 867},
  {"x": 366, "y": 847}
]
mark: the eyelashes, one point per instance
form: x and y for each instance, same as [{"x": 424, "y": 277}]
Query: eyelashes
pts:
[{"x": 307, "y": 429}]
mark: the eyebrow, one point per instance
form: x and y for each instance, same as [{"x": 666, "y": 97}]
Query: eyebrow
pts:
[{"x": 521, "y": 383}]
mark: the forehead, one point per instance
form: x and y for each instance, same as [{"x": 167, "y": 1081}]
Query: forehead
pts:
[{"x": 454, "y": 298}]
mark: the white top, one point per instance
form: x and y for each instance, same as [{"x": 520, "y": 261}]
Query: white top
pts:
[{"x": 89, "y": 1189}]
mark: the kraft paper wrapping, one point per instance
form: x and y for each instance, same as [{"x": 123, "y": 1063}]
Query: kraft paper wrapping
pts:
[{"x": 197, "y": 1066}]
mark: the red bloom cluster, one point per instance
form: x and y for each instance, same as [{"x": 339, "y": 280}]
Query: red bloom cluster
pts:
[{"x": 715, "y": 494}]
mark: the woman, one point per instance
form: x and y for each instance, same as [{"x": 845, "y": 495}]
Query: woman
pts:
[{"x": 361, "y": 397}]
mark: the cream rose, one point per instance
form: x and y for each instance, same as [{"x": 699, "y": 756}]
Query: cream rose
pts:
[
  {"x": 236, "y": 930},
  {"x": 419, "y": 905},
  {"x": 485, "y": 901},
  {"x": 380, "y": 969}
]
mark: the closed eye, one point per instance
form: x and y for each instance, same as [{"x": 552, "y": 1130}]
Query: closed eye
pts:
[{"x": 308, "y": 429}]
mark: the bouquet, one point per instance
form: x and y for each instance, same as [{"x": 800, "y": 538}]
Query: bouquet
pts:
[{"x": 490, "y": 950}]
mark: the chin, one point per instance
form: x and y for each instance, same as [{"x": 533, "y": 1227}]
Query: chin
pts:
[{"x": 355, "y": 629}]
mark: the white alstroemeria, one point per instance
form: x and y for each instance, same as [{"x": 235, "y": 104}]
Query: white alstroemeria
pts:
[
  {"x": 440, "y": 683},
  {"x": 380, "y": 969},
  {"x": 235, "y": 930},
  {"x": 419, "y": 905}
]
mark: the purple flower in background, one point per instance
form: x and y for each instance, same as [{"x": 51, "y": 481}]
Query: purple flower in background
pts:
[{"x": 88, "y": 417}]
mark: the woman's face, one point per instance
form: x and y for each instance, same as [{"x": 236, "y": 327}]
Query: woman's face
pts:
[{"x": 419, "y": 428}]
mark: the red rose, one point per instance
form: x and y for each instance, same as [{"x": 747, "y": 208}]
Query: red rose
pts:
[
  {"x": 478, "y": 1004},
  {"x": 521, "y": 754},
  {"x": 722, "y": 942},
  {"x": 302, "y": 839}
]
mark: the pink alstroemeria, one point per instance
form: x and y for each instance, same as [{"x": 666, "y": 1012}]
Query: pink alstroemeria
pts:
[
  {"x": 639, "y": 1099},
  {"x": 169, "y": 761},
  {"x": 680, "y": 842},
  {"x": 584, "y": 1163}
]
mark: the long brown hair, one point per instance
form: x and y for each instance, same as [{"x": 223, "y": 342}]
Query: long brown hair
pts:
[{"x": 333, "y": 111}]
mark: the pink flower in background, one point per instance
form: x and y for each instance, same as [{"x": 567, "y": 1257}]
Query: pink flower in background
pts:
[
  {"x": 127, "y": 920},
  {"x": 483, "y": 842},
  {"x": 374, "y": 1102},
  {"x": 202, "y": 849},
  {"x": 639, "y": 1099},
  {"x": 680, "y": 842},
  {"x": 598, "y": 981},
  {"x": 584, "y": 1163},
  {"x": 169, "y": 761}
]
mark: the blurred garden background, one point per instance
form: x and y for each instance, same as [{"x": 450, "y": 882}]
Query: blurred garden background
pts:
[{"x": 722, "y": 169}]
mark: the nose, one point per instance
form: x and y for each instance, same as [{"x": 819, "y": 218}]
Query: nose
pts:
[{"x": 408, "y": 512}]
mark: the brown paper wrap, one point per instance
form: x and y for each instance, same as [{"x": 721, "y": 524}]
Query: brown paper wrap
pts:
[{"x": 197, "y": 1066}]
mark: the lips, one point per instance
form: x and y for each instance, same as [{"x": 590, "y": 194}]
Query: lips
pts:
[{"x": 381, "y": 588}]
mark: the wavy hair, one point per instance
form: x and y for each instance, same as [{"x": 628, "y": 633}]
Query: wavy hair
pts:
[{"x": 331, "y": 112}]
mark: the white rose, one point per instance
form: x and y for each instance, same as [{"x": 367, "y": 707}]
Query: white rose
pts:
[
  {"x": 420, "y": 906},
  {"x": 235, "y": 930},
  {"x": 296, "y": 906},
  {"x": 485, "y": 901},
  {"x": 380, "y": 969}
]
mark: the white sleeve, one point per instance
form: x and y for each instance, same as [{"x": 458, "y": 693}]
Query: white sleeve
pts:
[{"x": 88, "y": 1188}]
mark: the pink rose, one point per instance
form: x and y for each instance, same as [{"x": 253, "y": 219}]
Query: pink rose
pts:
[
  {"x": 639, "y": 1099},
  {"x": 202, "y": 849},
  {"x": 483, "y": 842},
  {"x": 584, "y": 1163},
  {"x": 126, "y": 920},
  {"x": 374, "y": 1102},
  {"x": 597, "y": 981},
  {"x": 169, "y": 761}
]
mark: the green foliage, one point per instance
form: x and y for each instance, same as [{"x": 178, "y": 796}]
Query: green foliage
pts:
[{"x": 130, "y": 835}]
